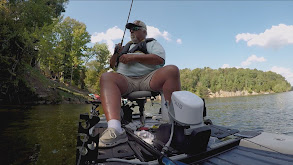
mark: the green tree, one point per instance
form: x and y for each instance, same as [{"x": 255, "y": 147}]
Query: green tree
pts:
[
  {"x": 97, "y": 67},
  {"x": 71, "y": 40},
  {"x": 21, "y": 24},
  {"x": 201, "y": 81}
]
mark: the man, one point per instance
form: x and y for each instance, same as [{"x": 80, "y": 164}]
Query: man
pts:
[{"x": 136, "y": 71}]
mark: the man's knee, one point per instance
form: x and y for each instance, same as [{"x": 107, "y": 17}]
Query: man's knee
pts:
[
  {"x": 172, "y": 70},
  {"x": 106, "y": 77}
]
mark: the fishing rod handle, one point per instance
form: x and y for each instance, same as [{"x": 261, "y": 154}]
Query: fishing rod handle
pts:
[{"x": 117, "y": 50}]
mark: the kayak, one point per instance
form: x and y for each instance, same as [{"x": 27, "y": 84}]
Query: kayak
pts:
[{"x": 205, "y": 143}]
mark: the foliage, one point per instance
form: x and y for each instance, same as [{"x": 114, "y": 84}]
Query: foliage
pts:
[
  {"x": 200, "y": 81},
  {"x": 97, "y": 67},
  {"x": 72, "y": 38},
  {"x": 22, "y": 23},
  {"x": 61, "y": 50}
]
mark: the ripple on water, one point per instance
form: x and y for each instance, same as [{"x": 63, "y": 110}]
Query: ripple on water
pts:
[{"x": 270, "y": 113}]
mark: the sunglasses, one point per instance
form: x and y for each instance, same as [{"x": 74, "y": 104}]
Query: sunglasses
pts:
[{"x": 135, "y": 28}]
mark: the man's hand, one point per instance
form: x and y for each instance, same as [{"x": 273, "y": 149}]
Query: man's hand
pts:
[
  {"x": 150, "y": 59},
  {"x": 127, "y": 58},
  {"x": 117, "y": 50}
]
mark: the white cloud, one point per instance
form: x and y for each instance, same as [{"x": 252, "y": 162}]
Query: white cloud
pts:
[
  {"x": 116, "y": 33},
  {"x": 275, "y": 37},
  {"x": 154, "y": 32},
  {"x": 286, "y": 72},
  {"x": 251, "y": 59},
  {"x": 179, "y": 41},
  {"x": 225, "y": 66},
  {"x": 111, "y": 34}
]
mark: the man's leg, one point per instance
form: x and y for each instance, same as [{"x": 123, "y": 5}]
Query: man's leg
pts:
[
  {"x": 112, "y": 86},
  {"x": 166, "y": 79}
]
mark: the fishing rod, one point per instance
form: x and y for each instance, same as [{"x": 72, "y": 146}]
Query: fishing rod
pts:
[
  {"x": 117, "y": 48},
  {"x": 126, "y": 22}
]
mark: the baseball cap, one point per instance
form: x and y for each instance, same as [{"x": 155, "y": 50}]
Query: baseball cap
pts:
[{"x": 137, "y": 23}]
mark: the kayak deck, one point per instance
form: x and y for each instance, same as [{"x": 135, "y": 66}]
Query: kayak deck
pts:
[
  {"x": 243, "y": 156},
  {"x": 223, "y": 148},
  {"x": 134, "y": 150}
]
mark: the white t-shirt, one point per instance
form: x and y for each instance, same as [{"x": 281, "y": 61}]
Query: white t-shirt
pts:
[{"x": 137, "y": 69}]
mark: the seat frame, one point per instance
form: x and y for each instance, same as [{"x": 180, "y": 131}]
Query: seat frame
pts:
[{"x": 140, "y": 98}]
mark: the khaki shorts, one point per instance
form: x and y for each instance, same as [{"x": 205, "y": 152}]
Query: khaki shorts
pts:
[{"x": 141, "y": 83}]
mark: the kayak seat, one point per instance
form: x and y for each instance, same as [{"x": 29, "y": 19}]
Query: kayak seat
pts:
[
  {"x": 136, "y": 98},
  {"x": 138, "y": 94}
]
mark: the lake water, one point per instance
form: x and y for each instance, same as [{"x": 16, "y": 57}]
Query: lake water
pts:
[{"x": 46, "y": 134}]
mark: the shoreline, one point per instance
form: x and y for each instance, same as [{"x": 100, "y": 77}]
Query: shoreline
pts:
[
  {"x": 221, "y": 94},
  {"x": 226, "y": 94}
]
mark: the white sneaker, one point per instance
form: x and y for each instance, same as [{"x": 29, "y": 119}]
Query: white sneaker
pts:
[{"x": 110, "y": 138}]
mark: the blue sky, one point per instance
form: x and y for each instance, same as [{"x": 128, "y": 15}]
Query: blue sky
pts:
[{"x": 197, "y": 34}]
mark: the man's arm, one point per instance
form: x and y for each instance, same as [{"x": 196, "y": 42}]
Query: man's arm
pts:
[
  {"x": 150, "y": 59},
  {"x": 117, "y": 51},
  {"x": 113, "y": 60}
]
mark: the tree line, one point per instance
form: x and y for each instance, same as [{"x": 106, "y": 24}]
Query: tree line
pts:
[
  {"x": 206, "y": 80},
  {"x": 34, "y": 34}
]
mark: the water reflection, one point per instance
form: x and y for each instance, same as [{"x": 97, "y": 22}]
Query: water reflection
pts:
[{"x": 44, "y": 135}]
